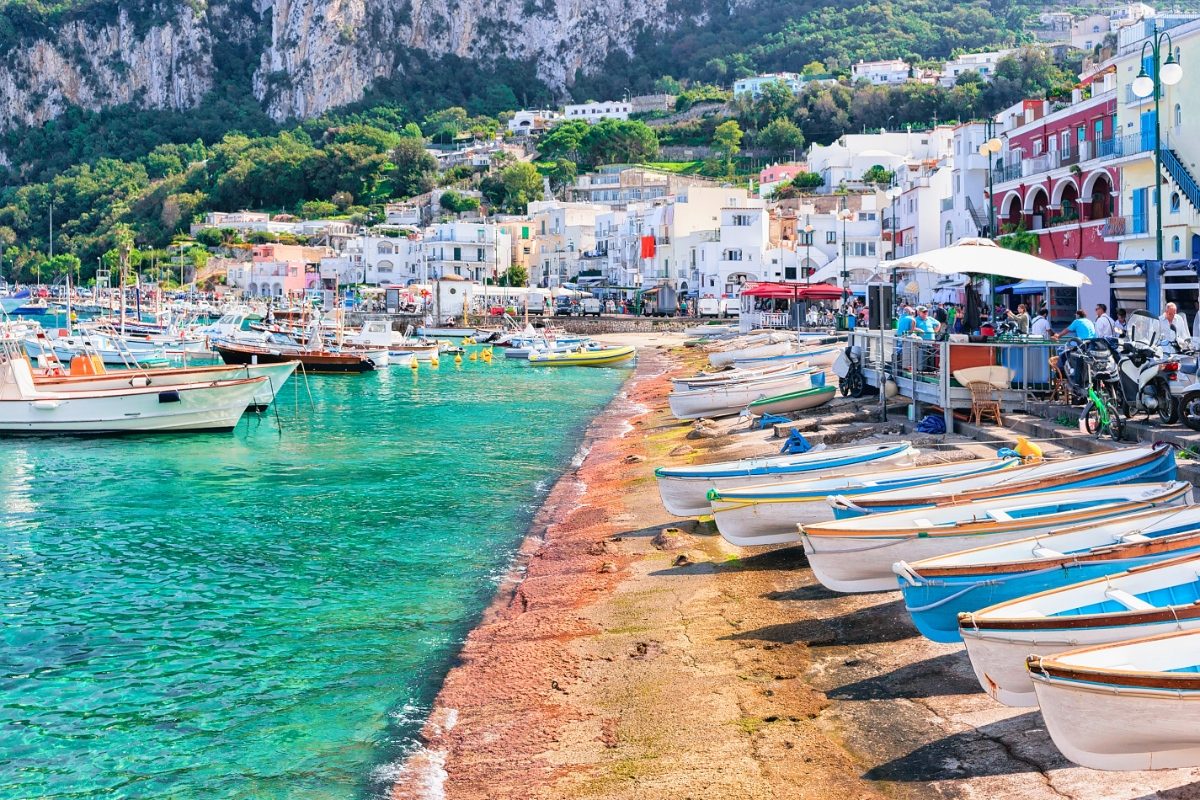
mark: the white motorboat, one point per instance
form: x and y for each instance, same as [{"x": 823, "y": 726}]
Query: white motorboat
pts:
[
  {"x": 728, "y": 399},
  {"x": 724, "y": 358},
  {"x": 1143, "y": 601},
  {"x": 857, "y": 554},
  {"x": 684, "y": 490},
  {"x": 276, "y": 374},
  {"x": 1129, "y": 705},
  {"x": 213, "y": 405},
  {"x": 708, "y": 380}
]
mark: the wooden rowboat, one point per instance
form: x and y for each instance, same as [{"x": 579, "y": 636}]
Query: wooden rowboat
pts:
[{"x": 792, "y": 401}]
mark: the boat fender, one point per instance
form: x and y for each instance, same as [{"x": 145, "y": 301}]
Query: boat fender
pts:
[{"x": 1028, "y": 450}]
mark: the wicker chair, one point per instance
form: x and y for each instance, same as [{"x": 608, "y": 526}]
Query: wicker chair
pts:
[{"x": 985, "y": 401}]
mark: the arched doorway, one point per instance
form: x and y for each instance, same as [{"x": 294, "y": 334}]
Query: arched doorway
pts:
[
  {"x": 1010, "y": 212},
  {"x": 1099, "y": 196},
  {"x": 1068, "y": 201},
  {"x": 1036, "y": 204}
]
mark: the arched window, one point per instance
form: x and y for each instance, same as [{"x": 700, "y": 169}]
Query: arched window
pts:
[
  {"x": 949, "y": 233},
  {"x": 385, "y": 248},
  {"x": 1174, "y": 244},
  {"x": 1174, "y": 202},
  {"x": 1178, "y": 115}
]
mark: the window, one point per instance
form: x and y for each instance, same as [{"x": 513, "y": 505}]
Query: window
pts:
[
  {"x": 1175, "y": 203},
  {"x": 866, "y": 216},
  {"x": 1174, "y": 244},
  {"x": 733, "y": 255},
  {"x": 1037, "y": 147},
  {"x": 861, "y": 249},
  {"x": 479, "y": 254},
  {"x": 1178, "y": 115},
  {"x": 805, "y": 237},
  {"x": 457, "y": 255},
  {"x": 383, "y": 266},
  {"x": 741, "y": 220},
  {"x": 1066, "y": 141},
  {"x": 830, "y": 237}
]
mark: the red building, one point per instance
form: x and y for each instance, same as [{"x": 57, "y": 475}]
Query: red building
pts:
[{"x": 1053, "y": 175}]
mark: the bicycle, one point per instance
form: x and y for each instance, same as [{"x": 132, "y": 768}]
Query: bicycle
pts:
[{"x": 1102, "y": 415}]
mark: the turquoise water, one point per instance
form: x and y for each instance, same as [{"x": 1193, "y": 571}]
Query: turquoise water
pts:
[{"x": 259, "y": 615}]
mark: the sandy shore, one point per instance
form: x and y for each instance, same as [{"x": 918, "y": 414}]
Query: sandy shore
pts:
[{"x": 629, "y": 660}]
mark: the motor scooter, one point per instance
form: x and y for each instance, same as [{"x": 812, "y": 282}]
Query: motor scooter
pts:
[{"x": 1145, "y": 374}]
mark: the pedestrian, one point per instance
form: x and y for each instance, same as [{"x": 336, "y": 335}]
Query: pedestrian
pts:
[
  {"x": 1173, "y": 326},
  {"x": 1081, "y": 327},
  {"x": 1104, "y": 323},
  {"x": 925, "y": 325},
  {"x": 939, "y": 313},
  {"x": 1120, "y": 323},
  {"x": 1021, "y": 318},
  {"x": 1040, "y": 327}
]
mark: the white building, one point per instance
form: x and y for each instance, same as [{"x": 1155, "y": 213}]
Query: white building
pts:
[
  {"x": 376, "y": 259},
  {"x": 530, "y": 121},
  {"x": 563, "y": 234},
  {"x": 984, "y": 64},
  {"x": 846, "y": 161},
  {"x": 594, "y": 112},
  {"x": 964, "y": 213},
  {"x": 753, "y": 86},
  {"x": 845, "y": 243},
  {"x": 880, "y": 73},
  {"x": 473, "y": 250}
]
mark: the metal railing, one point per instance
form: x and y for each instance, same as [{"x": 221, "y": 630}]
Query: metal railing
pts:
[{"x": 1136, "y": 225}]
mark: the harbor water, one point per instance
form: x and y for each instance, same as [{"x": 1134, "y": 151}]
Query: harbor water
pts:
[{"x": 265, "y": 614}]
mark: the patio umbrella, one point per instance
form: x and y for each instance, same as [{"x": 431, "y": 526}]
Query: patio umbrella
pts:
[{"x": 985, "y": 257}]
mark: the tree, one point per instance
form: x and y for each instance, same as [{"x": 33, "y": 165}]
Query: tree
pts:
[
  {"x": 564, "y": 140},
  {"x": 562, "y": 173},
  {"x": 209, "y": 237},
  {"x": 727, "y": 141},
  {"x": 619, "y": 141},
  {"x": 781, "y": 137},
  {"x": 878, "y": 174},
  {"x": 60, "y": 266},
  {"x": 522, "y": 185},
  {"x": 457, "y": 203},
  {"x": 442, "y": 126},
  {"x": 667, "y": 85},
  {"x": 516, "y": 275},
  {"x": 316, "y": 209},
  {"x": 414, "y": 170}
]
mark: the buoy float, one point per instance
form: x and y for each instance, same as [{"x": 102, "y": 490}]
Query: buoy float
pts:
[
  {"x": 458, "y": 358},
  {"x": 473, "y": 356},
  {"x": 414, "y": 363},
  {"x": 433, "y": 362}
]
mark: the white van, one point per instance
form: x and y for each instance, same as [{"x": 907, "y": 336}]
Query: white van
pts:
[
  {"x": 590, "y": 306},
  {"x": 717, "y": 307}
]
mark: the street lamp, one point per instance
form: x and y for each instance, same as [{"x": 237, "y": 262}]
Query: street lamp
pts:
[
  {"x": 844, "y": 216},
  {"x": 989, "y": 149},
  {"x": 1166, "y": 73},
  {"x": 892, "y": 195}
]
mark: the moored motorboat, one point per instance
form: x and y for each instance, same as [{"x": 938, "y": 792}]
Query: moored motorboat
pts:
[
  {"x": 751, "y": 515},
  {"x": 1128, "y": 705},
  {"x": 776, "y": 348},
  {"x": 1142, "y": 464},
  {"x": 277, "y": 375},
  {"x": 24, "y": 409},
  {"x": 584, "y": 357},
  {"x": 312, "y": 360},
  {"x": 936, "y": 590},
  {"x": 684, "y": 489},
  {"x": 815, "y": 356},
  {"x": 856, "y": 555},
  {"x": 709, "y": 379},
  {"x": 792, "y": 401},
  {"x": 1143, "y": 601}
]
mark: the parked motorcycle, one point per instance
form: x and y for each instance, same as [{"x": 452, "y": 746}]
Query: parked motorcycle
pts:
[
  {"x": 848, "y": 368},
  {"x": 1145, "y": 374}
]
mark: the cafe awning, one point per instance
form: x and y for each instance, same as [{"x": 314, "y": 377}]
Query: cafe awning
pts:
[
  {"x": 792, "y": 291},
  {"x": 985, "y": 257},
  {"x": 1024, "y": 287}
]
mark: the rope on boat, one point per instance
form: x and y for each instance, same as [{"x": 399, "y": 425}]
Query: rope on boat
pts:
[{"x": 275, "y": 406}]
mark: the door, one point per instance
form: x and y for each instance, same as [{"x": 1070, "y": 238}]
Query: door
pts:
[
  {"x": 1147, "y": 129},
  {"x": 1140, "y": 211}
]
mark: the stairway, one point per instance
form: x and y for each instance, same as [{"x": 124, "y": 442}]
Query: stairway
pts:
[
  {"x": 979, "y": 218},
  {"x": 1182, "y": 178}
]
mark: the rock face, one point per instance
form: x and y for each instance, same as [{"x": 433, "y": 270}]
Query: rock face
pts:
[
  {"x": 312, "y": 55},
  {"x": 167, "y": 65}
]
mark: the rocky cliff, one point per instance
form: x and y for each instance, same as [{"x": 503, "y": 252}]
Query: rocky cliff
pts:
[{"x": 312, "y": 55}]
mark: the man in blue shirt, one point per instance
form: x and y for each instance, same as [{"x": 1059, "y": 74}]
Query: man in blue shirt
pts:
[
  {"x": 1080, "y": 328},
  {"x": 926, "y": 326},
  {"x": 905, "y": 325}
]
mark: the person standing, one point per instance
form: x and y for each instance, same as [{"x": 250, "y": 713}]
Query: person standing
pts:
[
  {"x": 925, "y": 325},
  {"x": 1040, "y": 326},
  {"x": 1104, "y": 324},
  {"x": 1081, "y": 327},
  {"x": 939, "y": 313},
  {"x": 1021, "y": 318},
  {"x": 1119, "y": 323}
]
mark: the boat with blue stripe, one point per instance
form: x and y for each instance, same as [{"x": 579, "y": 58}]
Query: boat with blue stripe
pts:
[
  {"x": 936, "y": 590},
  {"x": 1134, "y": 464}
]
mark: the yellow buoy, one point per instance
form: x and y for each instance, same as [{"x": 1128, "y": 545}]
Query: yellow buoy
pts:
[
  {"x": 473, "y": 356},
  {"x": 458, "y": 358},
  {"x": 414, "y": 363},
  {"x": 1028, "y": 450},
  {"x": 433, "y": 362}
]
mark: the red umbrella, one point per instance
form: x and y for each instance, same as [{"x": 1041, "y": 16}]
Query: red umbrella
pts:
[{"x": 792, "y": 291}]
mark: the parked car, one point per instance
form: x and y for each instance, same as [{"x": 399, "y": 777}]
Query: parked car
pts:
[
  {"x": 563, "y": 307},
  {"x": 590, "y": 307},
  {"x": 716, "y": 307}
]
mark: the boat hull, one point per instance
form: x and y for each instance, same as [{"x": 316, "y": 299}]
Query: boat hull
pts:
[
  {"x": 684, "y": 492},
  {"x": 277, "y": 375},
  {"x": 204, "y": 407},
  {"x": 795, "y": 401},
  {"x": 311, "y": 362},
  {"x": 723, "y": 401}
]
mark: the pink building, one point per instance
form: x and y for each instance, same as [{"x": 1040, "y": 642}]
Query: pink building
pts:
[
  {"x": 778, "y": 173},
  {"x": 276, "y": 270},
  {"x": 1058, "y": 175}
]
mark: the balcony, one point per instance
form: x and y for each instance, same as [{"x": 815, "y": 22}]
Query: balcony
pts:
[
  {"x": 947, "y": 204},
  {"x": 1125, "y": 226}
]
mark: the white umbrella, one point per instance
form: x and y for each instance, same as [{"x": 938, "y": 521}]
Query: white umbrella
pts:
[{"x": 985, "y": 257}]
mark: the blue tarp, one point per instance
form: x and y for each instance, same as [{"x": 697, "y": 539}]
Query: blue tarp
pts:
[{"x": 1024, "y": 287}]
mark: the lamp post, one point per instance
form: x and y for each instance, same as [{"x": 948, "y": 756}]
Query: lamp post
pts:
[
  {"x": 845, "y": 215},
  {"x": 990, "y": 148},
  {"x": 1166, "y": 73}
]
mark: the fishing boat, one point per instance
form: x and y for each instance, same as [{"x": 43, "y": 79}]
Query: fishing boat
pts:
[
  {"x": 114, "y": 353},
  {"x": 792, "y": 401},
  {"x": 817, "y": 357},
  {"x": 936, "y": 590},
  {"x": 709, "y": 379},
  {"x": 748, "y": 516},
  {"x": 1143, "y": 464},
  {"x": 723, "y": 358},
  {"x": 856, "y": 555},
  {"x": 583, "y": 357},
  {"x": 447, "y": 332},
  {"x": 276, "y": 374},
  {"x": 1143, "y": 601},
  {"x": 31, "y": 308},
  {"x": 684, "y": 490},
  {"x": 726, "y": 399},
  {"x": 1128, "y": 705},
  {"x": 26, "y": 409},
  {"x": 321, "y": 361}
]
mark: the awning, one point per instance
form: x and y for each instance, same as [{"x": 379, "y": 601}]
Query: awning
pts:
[
  {"x": 649, "y": 292},
  {"x": 792, "y": 291},
  {"x": 1023, "y": 287},
  {"x": 985, "y": 257}
]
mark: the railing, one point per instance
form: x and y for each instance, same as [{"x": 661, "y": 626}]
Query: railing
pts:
[
  {"x": 1007, "y": 172},
  {"x": 1125, "y": 226}
]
